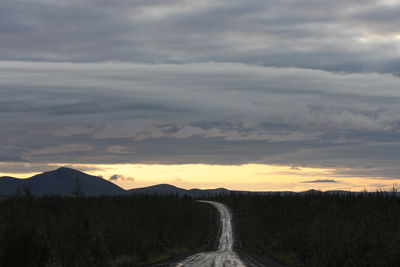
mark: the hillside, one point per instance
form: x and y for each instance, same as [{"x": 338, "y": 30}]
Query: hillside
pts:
[{"x": 62, "y": 181}]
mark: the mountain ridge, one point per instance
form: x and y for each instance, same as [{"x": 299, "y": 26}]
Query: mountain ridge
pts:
[{"x": 64, "y": 181}]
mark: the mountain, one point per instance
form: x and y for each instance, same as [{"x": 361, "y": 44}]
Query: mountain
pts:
[
  {"x": 311, "y": 191},
  {"x": 164, "y": 189},
  {"x": 62, "y": 181},
  {"x": 205, "y": 192}
]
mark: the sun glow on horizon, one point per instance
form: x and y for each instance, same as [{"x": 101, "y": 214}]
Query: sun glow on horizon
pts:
[{"x": 251, "y": 177}]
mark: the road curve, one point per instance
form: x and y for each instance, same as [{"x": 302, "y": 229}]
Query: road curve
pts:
[{"x": 224, "y": 256}]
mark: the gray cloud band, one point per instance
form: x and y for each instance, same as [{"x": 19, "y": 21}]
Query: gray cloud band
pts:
[
  {"x": 216, "y": 113},
  {"x": 330, "y": 35}
]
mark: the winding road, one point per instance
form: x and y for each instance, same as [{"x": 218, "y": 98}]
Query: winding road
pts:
[{"x": 224, "y": 256}]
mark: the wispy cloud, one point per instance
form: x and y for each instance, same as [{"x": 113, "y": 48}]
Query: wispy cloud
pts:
[
  {"x": 118, "y": 177},
  {"x": 320, "y": 181}
]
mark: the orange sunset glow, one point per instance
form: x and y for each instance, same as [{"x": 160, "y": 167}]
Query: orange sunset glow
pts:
[{"x": 251, "y": 177}]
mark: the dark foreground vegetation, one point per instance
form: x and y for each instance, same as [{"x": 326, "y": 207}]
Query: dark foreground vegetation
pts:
[
  {"x": 321, "y": 229},
  {"x": 100, "y": 231}
]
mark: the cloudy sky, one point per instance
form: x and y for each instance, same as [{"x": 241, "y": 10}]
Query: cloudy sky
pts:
[{"x": 245, "y": 94}]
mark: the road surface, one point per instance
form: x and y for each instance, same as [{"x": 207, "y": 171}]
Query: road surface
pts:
[{"x": 224, "y": 256}]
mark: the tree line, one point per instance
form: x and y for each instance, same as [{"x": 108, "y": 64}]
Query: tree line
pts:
[
  {"x": 320, "y": 229},
  {"x": 296, "y": 229},
  {"x": 100, "y": 231}
]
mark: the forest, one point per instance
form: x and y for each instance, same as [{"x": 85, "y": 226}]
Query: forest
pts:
[
  {"x": 316, "y": 229},
  {"x": 101, "y": 231},
  {"x": 320, "y": 229}
]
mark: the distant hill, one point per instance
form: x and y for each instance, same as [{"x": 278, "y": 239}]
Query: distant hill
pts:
[
  {"x": 158, "y": 189},
  {"x": 63, "y": 181},
  {"x": 60, "y": 182},
  {"x": 170, "y": 189}
]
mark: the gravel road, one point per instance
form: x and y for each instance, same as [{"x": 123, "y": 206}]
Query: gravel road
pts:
[{"x": 224, "y": 256}]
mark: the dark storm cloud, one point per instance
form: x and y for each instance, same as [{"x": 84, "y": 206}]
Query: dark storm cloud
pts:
[
  {"x": 214, "y": 113},
  {"x": 330, "y": 35}
]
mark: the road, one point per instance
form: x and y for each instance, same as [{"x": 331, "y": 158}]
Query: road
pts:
[{"x": 224, "y": 256}]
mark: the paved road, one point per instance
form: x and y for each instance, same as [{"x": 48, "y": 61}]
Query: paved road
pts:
[{"x": 224, "y": 256}]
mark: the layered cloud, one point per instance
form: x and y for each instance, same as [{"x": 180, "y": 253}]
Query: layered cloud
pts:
[
  {"x": 294, "y": 83},
  {"x": 215, "y": 113},
  {"x": 332, "y": 35}
]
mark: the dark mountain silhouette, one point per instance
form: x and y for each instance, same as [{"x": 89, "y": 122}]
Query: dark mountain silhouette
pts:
[
  {"x": 62, "y": 181},
  {"x": 158, "y": 189},
  {"x": 170, "y": 189},
  {"x": 202, "y": 192},
  {"x": 311, "y": 191}
]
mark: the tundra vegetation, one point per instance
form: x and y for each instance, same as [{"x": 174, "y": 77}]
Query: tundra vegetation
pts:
[
  {"x": 321, "y": 229},
  {"x": 100, "y": 231}
]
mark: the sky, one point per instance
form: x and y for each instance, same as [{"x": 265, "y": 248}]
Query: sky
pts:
[{"x": 242, "y": 94}]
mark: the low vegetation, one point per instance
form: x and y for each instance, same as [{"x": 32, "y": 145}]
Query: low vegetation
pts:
[
  {"x": 321, "y": 229},
  {"x": 100, "y": 231}
]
